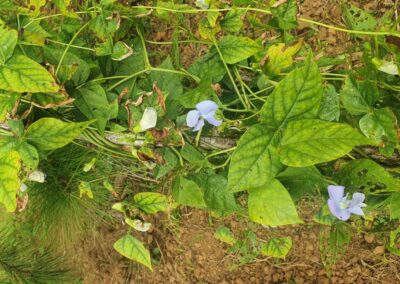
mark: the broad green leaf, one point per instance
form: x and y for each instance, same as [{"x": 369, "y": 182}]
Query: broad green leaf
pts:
[
  {"x": 92, "y": 102},
  {"x": 151, "y": 202},
  {"x": 308, "y": 142},
  {"x": 192, "y": 97},
  {"x": 297, "y": 96},
  {"x": 43, "y": 100},
  {"x": 286, "y": 14},
  {"x": 302, "y": 181},
  {"x": 277, "y": 247},
  {"x": 8, "y": 144},
  {"x": 170, "y": 163},
  {"x": 357, "y": 19},
  {"x": 225, "y": 235},
  {"x": 133, "y": 249},
  {"x": 395, "y": 206},
  {"x": 121, "y": 51},
  {"x": 380, "y": 126},
  {"x": 208, "y": 68},
  {"x": 34, "y": 33},
  {"x": 8, "y": 40},
  {"x": 9, "y": 181},
  {"x": 330, "y": 106},
  {"x": 324, "y": 216},
  {"x": 233, "y": 21},
  {"x": 103, "y": 26},
  {"x": 217, "y": 196},
  {"x": 272, "y": 205},
  {"x": 366, "y": 176},
  {"x": 167, "y": 82},
  {"x": 51, "y": 133},
  {"x": 85, "y": 189},
  {"x": 235, "y": 49},
  {"x": 280, "y": 56},
  {"x": 187, "y": 192},
  {"x": 29, "y": 155},
  {"x": 21, "y": 74},
  {"x": 357, "y": 98},
  {"x": 7, "y": 103},
  {"x": 254, "y": 161},
  {"x": 192, "y": 155}
]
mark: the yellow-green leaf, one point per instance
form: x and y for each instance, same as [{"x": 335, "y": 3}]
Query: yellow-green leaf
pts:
[
  {"x": 51, "y": 133},
  {"x": 22, "y": 74},
  {"x": 133, "y": 249},
  {"x": 9, "y": 183},
  {"x": 8, "y": 40},
  {"x": 7, "y": 102},
  {"x": 277, "y": 247}
]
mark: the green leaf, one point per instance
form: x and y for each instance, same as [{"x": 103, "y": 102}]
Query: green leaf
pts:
[
  {"x": 7, "y": 103},
  {"x": 29, "y": 155},
  {"x": 277, "y": 247},
  {"x": 21, "y": 74},
  {"x": 121, "y": 51},
  {"x": 209, "y": 69},
  {"x": 187, "y": 192},
  {"x": 225, "y": 235},
  {"x": 217, "y": 196},
  {"x": 235, "y": 49},
  {"x": 271, "y": 205},
  {"x": 103, "y": 26},
  {"x": 85, "y": 189},
  {"x": 167, "y": 82},
  {"x": 357, "y": 98},
  {"x": 366, "y": 176},
  {"x": 357, "y": 19},
  {"x": 380, "y": 126},
  {"x": 34, "y": 33},
  {"x": 133, "y": 249},
  {"x": 233, "y": 21},
  {"x": 297, "y": 96},
  {"x": 151, "y": 202},
  {"x": 51, "y": 133},
  {"x": 93, "y": 103},
  {"x": 9, "y": 181},
  {"x": 286, "y": 14},
  {"x": 330, "y": 106},
  {"x": 280, "y": 57},
  {"x": 254, "y": 161},
  {"x": 8, "y": 41},
  {"x": 395, "y": 206},
  {"x": 302, "y": 181},
  {"x": 311, "y": 141},
  {"x": 192, "y": 97}
]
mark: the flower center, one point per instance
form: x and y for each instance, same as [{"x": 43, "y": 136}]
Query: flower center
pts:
[{"x": 343, "y": 204}]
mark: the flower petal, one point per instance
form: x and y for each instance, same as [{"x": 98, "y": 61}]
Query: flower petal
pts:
[
  {"x": 212, "y": 120},
  {"x": 205, "y": 107},
  {"x": 37, "y": 176},
  {"x": 336, "y": 192},
  {"x": 357, "y": 199},
  {"x": 356, "y": 210},
  {"x": 341, "y": 214},
  {"x": 192, "y": 118},
  {"x": 149, "y": 119},
  {"x": 199, "y": 125}
]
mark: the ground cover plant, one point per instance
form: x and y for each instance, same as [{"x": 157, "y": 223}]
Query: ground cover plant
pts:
[{"x": 103, "y": 123}]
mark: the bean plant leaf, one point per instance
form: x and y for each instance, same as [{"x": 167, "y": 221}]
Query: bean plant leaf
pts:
[
  {"x": 92, "y": 102},
  {"x": 133, "y": 249},
  {"x": 297, "y": 96},
  {"x": 394, "y": 206},
  {"x": 358, "y": 19},
  {"x": 380, "y": 126},
  {"x": 7, "y": 103},
  {"x": 358, "y": 97},
  {"x": 51, "y": 133},
  {"x": 8, "y": 41},
  {"x": 233, "y": 21},
  {"x": 330, "y": 106},
  {"x": 29, "y": 155},
  {"x": 187, "y": 192},
  {"x": 366, "y": 176},
  {"x": 65, "y": 9},
  {"x": 217, "y": 196},
  {"x": 235, "y": 49},
  {"x": 151, "y": 202},
  {"x": 308, "y": 142},
  {"x": 9, "y": 182},
  {"x": 272, "y": 205},
  {"x": 277, "y": 247},
  {"x": 280, "y": 56},
  {"x": 286, "y": 14},
  {"x": 22, "y": 74},
  {"x": 254, "y": 161},
  {"x": 225, "y": 235}
]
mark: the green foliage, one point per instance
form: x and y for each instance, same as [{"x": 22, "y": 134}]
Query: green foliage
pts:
[
  {"x": 9, "y": 183},
  {"x": 133, "y": 249},
  {"x": 277, "y": 247},
  {"x": 151, "y": 202}
]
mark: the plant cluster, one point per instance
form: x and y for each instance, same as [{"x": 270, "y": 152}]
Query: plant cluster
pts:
[{"x": 257, "y": 116}]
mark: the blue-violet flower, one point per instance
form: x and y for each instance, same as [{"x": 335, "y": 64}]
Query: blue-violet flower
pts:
[
  {"x": 205, "y": 110},
  {"x": 341, "y": 207}
]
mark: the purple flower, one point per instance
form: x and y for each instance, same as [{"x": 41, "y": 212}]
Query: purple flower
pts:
[
  {"x": 205, "y": 110},
  {"x": 341, "y": 207}
]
